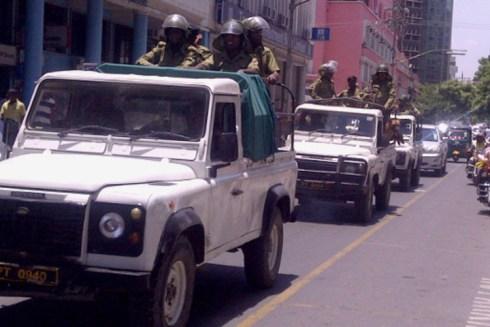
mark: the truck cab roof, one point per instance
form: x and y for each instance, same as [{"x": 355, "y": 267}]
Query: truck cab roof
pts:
[{"x": 311, "y": 106}]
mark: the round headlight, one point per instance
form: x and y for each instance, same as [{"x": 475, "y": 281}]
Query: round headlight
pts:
[{"x": 112, "y": 225}]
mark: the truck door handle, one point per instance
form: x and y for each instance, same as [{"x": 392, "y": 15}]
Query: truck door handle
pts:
[{"x": 236, "y": 192}]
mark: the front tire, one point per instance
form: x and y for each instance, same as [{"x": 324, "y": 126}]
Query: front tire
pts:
[
  {"x": 263, "y": 256},
  {"x": 383, "y": 193},
  {"x": 406, "y": 179},
  {"x": 364, "y": 205},
  {"x": 168, "y": 304},
  {"x": 415, "y": 177}
]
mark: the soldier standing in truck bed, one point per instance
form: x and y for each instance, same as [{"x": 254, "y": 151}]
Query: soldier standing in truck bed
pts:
[
  {"x": 176, "y": 51},
  {"x": 230, "y": 51}
]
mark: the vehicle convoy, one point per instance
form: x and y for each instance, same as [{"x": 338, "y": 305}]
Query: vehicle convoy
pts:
[
  {"x": 409, "y": 153},
  {"x": 434, "y": 150},
  {"x": 343, "y": 154},
  {"x": 119, "y": 181}
]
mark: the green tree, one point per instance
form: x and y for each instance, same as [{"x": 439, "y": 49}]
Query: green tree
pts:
[
  {"x": 445, "y": 101},
  {"x": 481, "y": 101}
]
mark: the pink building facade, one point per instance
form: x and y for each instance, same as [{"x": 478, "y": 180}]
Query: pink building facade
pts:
[{"x": 360, "y": 40}]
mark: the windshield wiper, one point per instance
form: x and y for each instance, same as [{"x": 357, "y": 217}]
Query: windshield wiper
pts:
[
  {"x": 96, "y": 128},
  {"x": 159, "y": 134}
]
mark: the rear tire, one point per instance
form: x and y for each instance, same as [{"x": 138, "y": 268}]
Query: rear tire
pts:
[
  {"x": 383, "y": 193},
  {"x": 262, "y": 256}
]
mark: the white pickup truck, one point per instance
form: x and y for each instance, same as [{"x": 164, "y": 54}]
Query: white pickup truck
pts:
[
  {"x": 342, "y": 154},
  {"x": 409, "y": 153},
  {"x": 124, "y": 182}
]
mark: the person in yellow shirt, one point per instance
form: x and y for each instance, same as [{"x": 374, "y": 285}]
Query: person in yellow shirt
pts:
[{"x": 13, "y": 108}]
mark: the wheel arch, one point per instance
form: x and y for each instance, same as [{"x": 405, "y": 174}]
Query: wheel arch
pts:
[
  {"x": 277, "y": 196},
  {"x": 185, "y": 222}
]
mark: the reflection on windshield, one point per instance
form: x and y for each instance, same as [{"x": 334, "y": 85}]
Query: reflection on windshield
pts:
[
  {"x": 429, "y": 135},
  {"x": 336, "y": 122},
  {"x": 122, "y": 109}
]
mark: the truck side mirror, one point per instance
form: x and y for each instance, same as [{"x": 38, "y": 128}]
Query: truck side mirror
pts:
[{"x": 226, "y": 147}]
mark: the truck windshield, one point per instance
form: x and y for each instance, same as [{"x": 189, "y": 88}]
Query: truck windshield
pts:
[
  {"x": 406, "y": 126},
  {"x": 120, "y": 109},
  {"x": 429, "y": 135},
  {"x": 344, "y": 123}
]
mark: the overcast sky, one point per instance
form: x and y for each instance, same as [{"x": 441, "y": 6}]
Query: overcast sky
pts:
[{"x": 471, "y": 32}]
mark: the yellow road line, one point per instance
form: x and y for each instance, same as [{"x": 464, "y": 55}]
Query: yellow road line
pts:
[{"x": 282, "y": 297}]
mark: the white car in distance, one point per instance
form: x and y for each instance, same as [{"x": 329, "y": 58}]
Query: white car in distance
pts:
[{"x": 434, "y": 150}]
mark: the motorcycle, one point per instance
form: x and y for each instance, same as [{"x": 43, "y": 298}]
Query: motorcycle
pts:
[
  {"x": 483, "y": 186},
  {"x": 470, "y": 167}
]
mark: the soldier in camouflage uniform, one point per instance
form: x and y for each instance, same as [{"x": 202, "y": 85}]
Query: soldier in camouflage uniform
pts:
[
  {"x": 231, "y": 55},
  {"x": 176, "y": 51},
  {"x": 269, "y": 69},
  {"x": 353, "y": 91},
  {"x": 195, "y": 38},
  {"x": 323, "y": 87},
  {"x": 381, "y": 90},
  {"x": 406, "y": 106}
]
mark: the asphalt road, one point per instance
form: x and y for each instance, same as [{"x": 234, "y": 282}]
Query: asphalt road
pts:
[{"x": 426, "y": 262}]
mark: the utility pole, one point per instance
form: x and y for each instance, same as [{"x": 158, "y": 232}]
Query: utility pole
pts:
[{"x": 399, "y": 15}]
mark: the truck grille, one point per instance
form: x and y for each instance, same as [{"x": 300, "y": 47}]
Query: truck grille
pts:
[
  {"x": 315, "y": 169},
  {"x": 41, "y": 228}
]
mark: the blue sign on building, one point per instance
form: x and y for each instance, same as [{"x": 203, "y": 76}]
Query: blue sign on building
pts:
[{"x": 320, "y": 34}]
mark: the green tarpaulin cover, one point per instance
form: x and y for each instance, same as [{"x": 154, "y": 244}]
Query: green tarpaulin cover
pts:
[{"x": 258, "y": 117}]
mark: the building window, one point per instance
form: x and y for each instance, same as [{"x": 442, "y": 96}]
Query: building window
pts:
[
  {"x": 78, "y": 34},
  {"x": 56, "y": 34}
]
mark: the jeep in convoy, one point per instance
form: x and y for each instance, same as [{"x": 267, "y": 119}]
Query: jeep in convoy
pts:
[
  {"x": 127, "y": 178},
  {"x": 343, "y": 154},
  {"x": 408, "y": 153}
]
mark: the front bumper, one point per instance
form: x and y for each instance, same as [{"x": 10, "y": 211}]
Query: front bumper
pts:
[
  {"x": 325, "y": 190},
  {"x": 432, "y": 161},
  {"x": 73, "y": 281}
]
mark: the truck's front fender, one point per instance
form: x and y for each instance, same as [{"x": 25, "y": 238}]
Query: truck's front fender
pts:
[{"x": 183, "y": 222}]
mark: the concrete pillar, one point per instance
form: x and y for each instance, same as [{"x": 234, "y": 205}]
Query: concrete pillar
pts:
[
  {"x": 33, "y": 57},
  {"x": 140, "y": 36},
  {"x": 93, "y": 42}
]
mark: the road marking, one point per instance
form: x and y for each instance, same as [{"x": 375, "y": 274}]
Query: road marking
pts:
[
  {"x": 480, "y": 311},
  {"x": 282, "y": 297}
]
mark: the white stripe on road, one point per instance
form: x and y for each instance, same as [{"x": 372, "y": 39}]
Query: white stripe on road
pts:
[{"x": 480, "y": 311}]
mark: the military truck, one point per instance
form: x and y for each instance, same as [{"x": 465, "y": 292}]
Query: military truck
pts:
[
  {"x": 343, "y": 154},
  {"x": 126, "y": 179},
  {"x": 408, "y": 153}
]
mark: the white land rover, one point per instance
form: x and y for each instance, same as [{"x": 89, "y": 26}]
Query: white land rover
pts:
[
  {"x": 409, "y": 153},
  {"x": 119, "y": 181},
  {"x": 343, "y": 155}
]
